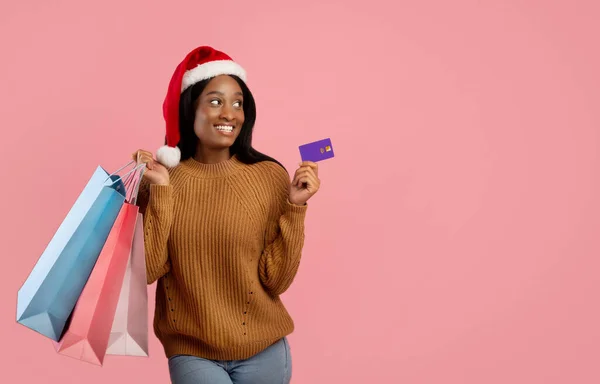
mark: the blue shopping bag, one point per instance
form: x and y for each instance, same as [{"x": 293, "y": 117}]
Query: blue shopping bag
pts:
[{"x": 46, "y": 299}]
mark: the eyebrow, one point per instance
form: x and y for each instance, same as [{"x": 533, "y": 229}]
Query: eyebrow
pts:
[{"x": 222, "y": 94}]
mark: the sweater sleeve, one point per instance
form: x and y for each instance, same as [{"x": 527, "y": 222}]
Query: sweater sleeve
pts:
[
  {"x": 156, "y": 205},
  {"x": 284, "y": 237}
]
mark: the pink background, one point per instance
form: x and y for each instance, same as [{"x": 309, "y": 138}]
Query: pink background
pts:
[{"x": 455, "y": 237}]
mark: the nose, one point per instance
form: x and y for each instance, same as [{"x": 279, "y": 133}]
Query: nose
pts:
[{"x": 227, "y": 112}]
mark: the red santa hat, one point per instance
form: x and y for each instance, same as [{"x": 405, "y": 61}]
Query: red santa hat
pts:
[{"x": 200, "y": 64}]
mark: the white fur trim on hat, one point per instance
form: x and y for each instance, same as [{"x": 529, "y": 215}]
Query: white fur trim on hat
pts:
[
  {"x": 212, "y": 69},
  {"x": 168, "y": 156}
]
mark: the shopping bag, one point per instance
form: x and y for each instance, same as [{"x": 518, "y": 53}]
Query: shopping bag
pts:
[
  {"x": 47, "y": 297},
  {"x": 129, "y": 334},
  {"x": 86, "y": 336}
]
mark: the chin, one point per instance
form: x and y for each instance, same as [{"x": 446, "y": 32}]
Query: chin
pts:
[{"x": 223, "y": 144}]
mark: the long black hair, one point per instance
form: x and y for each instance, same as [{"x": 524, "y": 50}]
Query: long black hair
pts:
[{"x": 242, "y": 147}]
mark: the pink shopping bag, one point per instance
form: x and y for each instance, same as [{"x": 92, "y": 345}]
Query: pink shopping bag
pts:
[
  {"x": 86, "y": 337},
  {"x": 129, "y": 334}
]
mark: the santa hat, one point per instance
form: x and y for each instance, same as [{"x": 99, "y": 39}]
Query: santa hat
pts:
[{"x": 200, "y": 64}]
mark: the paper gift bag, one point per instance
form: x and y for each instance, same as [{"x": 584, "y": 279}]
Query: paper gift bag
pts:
[
  {"x": 129, "y": 335},
  {"x": 86, "y": 337},
  {"x": 48, "y": 295}
]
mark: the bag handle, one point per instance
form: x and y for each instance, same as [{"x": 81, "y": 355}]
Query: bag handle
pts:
[
  {"x": 122, "y": 168},
  {"x": 128, "y": 178},
  {"x": 109, "y": 177},
  {"x": 134, "y": 186}
]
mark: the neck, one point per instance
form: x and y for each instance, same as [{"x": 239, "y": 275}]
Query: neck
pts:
[{"x": 208, "y": 156}]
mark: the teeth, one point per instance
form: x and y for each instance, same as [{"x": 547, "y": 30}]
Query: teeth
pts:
[{"x": 224, "y": 128}]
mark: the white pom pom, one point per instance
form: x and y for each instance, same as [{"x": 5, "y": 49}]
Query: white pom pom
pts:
[{"x": 168, "y": 156}]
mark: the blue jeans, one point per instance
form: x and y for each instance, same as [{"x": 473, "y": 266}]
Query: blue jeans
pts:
[{"x": 271, "y": 366}]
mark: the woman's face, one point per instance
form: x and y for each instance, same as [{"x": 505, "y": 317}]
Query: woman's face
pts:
[{"x": 219, "y": 113}]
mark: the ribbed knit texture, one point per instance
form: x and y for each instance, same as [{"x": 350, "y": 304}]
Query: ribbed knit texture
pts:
[{"x": 224, "y": 242}]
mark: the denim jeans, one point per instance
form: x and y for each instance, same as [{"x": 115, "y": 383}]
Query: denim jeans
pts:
[{"x": 271, "y": 366}]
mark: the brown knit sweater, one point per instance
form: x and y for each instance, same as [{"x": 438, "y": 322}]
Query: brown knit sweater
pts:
[{"x": 224, "y": 242}]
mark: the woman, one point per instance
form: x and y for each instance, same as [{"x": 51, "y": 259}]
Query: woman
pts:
[{"x": 224, "y": 231}]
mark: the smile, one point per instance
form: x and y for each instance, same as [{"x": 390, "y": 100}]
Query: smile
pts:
[{"x": 224, "y": 128}]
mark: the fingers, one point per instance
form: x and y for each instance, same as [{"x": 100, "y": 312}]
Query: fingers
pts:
[
  {"x": 144, "y": 157},
  {"x": 307, "y": 168},
  {"x": 139, "y": 153},
  {"x": 300, "y": 172},
  {"x": 305, "y": 175},
  {"x": 308, "y": 182},
  {"x": 310, "y": 164}
]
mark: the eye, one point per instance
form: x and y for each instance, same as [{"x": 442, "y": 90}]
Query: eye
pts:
[
  {"x": 237, "y": 104},
  {"x": 215, "y": 102}
]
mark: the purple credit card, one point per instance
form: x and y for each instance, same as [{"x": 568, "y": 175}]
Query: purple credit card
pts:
[{"x": 317, "y": 151}]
